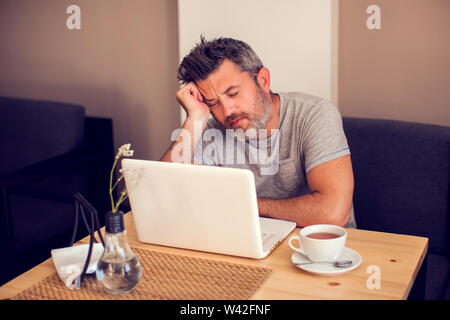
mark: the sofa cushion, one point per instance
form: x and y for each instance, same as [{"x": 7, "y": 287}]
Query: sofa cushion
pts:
[
  {"x": 447, "y": 290},
  {"x": 28, "y": 137},
  {"x": 38, "y": 221},
  {"x": 401, "y": 177},
  {"x": 437, "y": 277}
]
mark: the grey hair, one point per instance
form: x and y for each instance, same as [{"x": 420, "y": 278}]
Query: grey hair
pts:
[{"x": 207, "y": 56}]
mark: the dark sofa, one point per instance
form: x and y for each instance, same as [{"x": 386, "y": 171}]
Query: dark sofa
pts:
[
  {"x": 402, "y": 175},
  {"x": 50, "y": 151}
]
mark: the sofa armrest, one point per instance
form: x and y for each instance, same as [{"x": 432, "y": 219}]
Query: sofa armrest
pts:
[
  {"x": 45, "y": 168},
  {"x": 36, "y": 130}
]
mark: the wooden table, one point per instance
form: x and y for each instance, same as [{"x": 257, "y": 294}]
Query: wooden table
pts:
[{"x": 399, "y": 258}]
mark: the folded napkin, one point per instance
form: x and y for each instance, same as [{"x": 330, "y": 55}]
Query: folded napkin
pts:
[{"x": 69, "y": 262}]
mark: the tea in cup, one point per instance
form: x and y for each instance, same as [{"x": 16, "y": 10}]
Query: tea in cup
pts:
[{"x": 320, "y": 242}]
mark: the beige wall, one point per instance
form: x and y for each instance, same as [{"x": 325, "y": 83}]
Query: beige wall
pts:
[
  {"x": 401, "y": 71},
  {"x": 121, "y": 64}
]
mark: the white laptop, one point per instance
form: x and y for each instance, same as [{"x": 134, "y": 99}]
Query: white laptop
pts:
[{"x": 203, "y": 208}]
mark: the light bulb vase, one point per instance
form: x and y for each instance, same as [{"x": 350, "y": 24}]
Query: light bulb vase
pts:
[{"x": 118, "y": 269}]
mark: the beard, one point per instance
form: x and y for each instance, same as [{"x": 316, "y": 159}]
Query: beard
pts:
[{"x": 257, "y": 120}]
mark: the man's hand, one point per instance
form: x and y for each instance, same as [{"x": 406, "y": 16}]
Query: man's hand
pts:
[
  {"x": 197, "y": 111},
  {"x": 191, "y": 100}
]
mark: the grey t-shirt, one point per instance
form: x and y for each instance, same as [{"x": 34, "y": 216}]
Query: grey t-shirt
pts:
[{"x": 309, "y": 133}]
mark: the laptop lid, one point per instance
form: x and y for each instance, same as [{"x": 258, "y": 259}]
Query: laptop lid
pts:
[{"x": 195, "y": 207}]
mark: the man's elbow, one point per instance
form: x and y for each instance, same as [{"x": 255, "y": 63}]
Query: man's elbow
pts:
[
  {"x": 339, "y": 213},
  {"x": 341, "y": 218}
]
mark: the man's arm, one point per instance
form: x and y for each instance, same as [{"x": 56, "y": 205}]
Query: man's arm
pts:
[
  {"x": 191, "y": 100},
  {"x": 182, "y": 149},
  {"x": 330, "y": 201}
]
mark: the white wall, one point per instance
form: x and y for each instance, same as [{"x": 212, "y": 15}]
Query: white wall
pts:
[{"x": 295, "y": 39}]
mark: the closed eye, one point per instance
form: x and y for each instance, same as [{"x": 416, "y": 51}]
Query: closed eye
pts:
[
  {"x": 211, "y": 104},
  {"x": 214, "y": 103}
]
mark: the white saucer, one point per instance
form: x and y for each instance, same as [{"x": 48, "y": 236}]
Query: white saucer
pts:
[{"x": 327, "y": 269}]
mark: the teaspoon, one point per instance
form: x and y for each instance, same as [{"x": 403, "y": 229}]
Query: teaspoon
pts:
[{"x": 337, "y": 264}]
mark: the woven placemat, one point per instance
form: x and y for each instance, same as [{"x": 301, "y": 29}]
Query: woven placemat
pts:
[{"x": 164, "y": 277}]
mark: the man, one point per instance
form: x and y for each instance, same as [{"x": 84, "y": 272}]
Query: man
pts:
[{"x": 308, "y": 176}]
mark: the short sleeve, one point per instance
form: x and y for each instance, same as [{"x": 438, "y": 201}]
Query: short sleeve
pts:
[{"x": 323, "y": 138}]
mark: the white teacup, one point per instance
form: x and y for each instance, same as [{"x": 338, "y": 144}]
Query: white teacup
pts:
[{"x": 320, "y": 242}]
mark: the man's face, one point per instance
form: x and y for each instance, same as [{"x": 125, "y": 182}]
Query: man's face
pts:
[{"x": 235, "y": 99}]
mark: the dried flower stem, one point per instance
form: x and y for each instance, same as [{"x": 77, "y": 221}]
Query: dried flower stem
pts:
[
  {"x": 124, "y": 151},
  {"x": 122, "y": 198},
  {"x": 117, "y": 182}
]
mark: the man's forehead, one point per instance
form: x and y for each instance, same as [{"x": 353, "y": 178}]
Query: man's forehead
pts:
[{"x": 218, "y": 82}]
